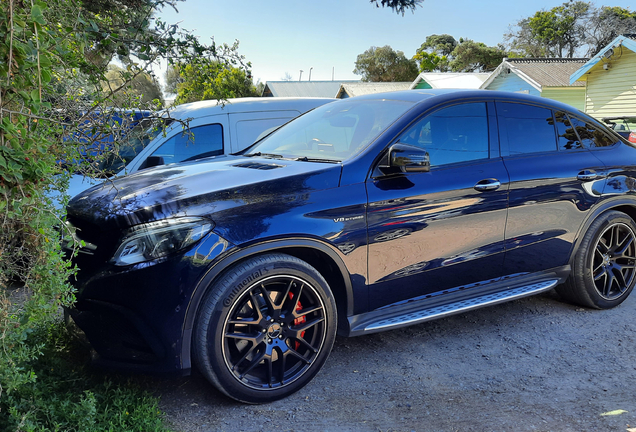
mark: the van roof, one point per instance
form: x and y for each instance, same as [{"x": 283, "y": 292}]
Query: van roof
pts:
[{"x": 241, "y": 105}]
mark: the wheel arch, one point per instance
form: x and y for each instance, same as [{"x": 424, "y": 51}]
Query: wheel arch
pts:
[
  {"x": 316, "y": 253},
  {"x": 623, "y": 205}
]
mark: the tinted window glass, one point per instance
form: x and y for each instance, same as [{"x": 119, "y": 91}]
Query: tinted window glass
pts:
[
  {"x": 454, "y": 134},
  {"x": 530, "y": 129},
  {"x": 591, "y": 137},
  {"x": 198, "y": 142},
  {"x": 567, "y": 137},
  {"x": 334, "y": 131}
]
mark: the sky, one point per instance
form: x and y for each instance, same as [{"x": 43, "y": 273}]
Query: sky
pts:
[{"x": 282, "y": 37}]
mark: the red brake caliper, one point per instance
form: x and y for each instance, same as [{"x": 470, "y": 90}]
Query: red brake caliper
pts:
[{"x": 299, "y": 320}]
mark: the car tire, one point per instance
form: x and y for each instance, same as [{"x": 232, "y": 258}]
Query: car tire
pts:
[
  {"x": 265, "y": 328},
  {"x": 604, "y": 266}
]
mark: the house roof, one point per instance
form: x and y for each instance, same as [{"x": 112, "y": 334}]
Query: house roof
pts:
[
  {"x": 361, "y": 88},
  {"x": 627, "y": 40},
  {"x": 449, "y": 80},
  {"x": 540, "y": 72},
  {"x": 303, "y": 88}
]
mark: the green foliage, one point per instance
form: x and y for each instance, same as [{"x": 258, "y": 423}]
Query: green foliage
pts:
[
  {"x": 471, "y": 56},
  {"x": 442, "y": 53},
  {"x": 143, "y": 86},
  {"x": 63, "y": 395},
  {"x": 576, "y": 28},
  {"x": 398, "y": 6},
  {"x": 208, "y": 80},
  {"x": 434, "y": 54},
  {"x": 53, "y": 58},
  {"x": 384, "y": 64},
  {"x": 605, "y": 24}
]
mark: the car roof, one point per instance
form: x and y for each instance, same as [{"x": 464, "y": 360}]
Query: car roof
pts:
[{"x": 242, "y": 105}]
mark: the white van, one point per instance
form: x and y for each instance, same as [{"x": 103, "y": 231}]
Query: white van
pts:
[{"x": 201, "y": 129}]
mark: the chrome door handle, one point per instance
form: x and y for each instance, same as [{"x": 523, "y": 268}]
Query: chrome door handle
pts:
[
  {"x": 587, "y": 175},
  {"x": 487, "y": 185}
]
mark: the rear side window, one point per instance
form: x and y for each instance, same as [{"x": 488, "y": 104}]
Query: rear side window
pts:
[
  {"x": 567, "y": 137},
  {"x": 455, "y": 134},
  {"x": 591, "y": 137},
  {"x": 198, "y": 142},
  {"x": 530, "y": 129}
]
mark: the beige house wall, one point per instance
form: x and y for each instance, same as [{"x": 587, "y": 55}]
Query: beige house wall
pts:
[
  {"x": 612, "y": 92},
  {"x": 574, "y": 96}
]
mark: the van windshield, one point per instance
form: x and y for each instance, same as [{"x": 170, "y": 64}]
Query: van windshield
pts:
[{"x": 332, "y": 132}]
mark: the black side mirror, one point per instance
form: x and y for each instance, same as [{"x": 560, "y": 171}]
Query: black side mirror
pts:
[
  {"x": 407, "y": 158},
  {"x": 152, "y": 161}
]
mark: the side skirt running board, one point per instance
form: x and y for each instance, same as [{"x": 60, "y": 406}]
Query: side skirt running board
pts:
[{"x": 397, "y": 319}]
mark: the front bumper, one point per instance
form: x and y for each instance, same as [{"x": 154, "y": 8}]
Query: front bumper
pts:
[{"x": 133, "y": 317}]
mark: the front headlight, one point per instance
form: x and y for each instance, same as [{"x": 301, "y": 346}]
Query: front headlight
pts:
[{"x": 157, "y": 239}]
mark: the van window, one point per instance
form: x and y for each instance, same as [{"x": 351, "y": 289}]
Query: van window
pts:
[
  {"x": 248, "y": 131},
  {"x": 197, "y": 142}
]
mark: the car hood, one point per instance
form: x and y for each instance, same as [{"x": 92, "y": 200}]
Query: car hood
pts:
[{"x": 199, "y": 189}]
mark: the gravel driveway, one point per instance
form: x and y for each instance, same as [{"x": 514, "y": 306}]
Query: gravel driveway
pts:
[{"x": 535, "y": 364}]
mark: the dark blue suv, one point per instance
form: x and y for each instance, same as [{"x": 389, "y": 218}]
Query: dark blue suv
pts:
[{"x": 360, "y": 216}]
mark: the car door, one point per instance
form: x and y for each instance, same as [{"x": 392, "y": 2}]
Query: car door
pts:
[
  {"x": 554, "y": 181},
  {"x": 434, "y": 231}
]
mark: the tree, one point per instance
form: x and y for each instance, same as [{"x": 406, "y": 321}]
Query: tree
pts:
[
  {"x": 471, "y": 56},
  {"x": 398, "y": 6},
  {"x": 212, "y": 80},
  {"x": 173, "y": 78},
  {"x": 443, "y": 53},
  {"x": 434, "y": 54},
  {"x": 53, "y": 59},
  {"x": 605, "y": 24},
  {"x": 142, "y": 86},
  {"x": 386, "y": 65},
  {"x": 559, "y": 32}
]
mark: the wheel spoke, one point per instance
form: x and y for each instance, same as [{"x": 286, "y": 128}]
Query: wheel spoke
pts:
[
  {"x": 307, "y": 325},
  {"x": 255, "y": 306},
  {"x": 252, "y": 365},
  {"x": 270, "y": 305},
  {"x": 601, "y": 247},
  {"x": 626, "y": 243},
  {"x": 608, "y": 283},
  {"x": 620, "y": 278},
  {"x": 248, "y": 351},
  {"x": 268, "y": 362},
  {"x": 602, "y": 273},
  {"x": 307, "y": 311}
]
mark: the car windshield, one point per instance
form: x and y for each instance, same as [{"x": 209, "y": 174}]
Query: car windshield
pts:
[{"x": 332, "y": 132}]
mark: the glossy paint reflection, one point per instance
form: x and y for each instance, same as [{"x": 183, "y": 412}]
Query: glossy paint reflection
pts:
[{"x": 421, "y": 225}]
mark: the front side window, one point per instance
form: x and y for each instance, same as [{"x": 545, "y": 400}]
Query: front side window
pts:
[
  {"x": 195, "y": 143},
  {"x": 455, "y": 134},
  {"x": 591, "y": 137},
  {"x": 530, "y": 129}
]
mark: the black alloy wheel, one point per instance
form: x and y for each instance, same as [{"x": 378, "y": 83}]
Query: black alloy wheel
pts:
[
  {"x": 604, "y": 266},
  {"x": 614, "y": 261},
  {"x": 265, "y": 328},
  {"x": 274, "y": 332}
]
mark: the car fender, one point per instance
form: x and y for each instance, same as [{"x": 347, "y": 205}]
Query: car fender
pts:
[
  {"x": 613, "y": 203},
  {"x": 239, "y": 254}
]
